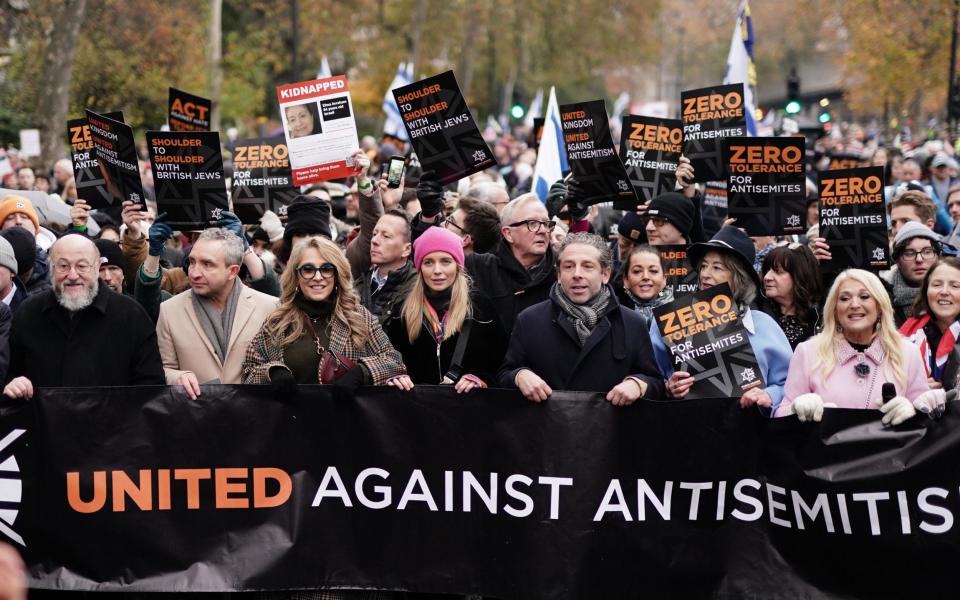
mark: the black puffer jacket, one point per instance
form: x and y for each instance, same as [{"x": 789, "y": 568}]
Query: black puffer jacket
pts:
[
  {"x": 381, "y": 302},
  {"x": 508, "y": 284},
  {"x": 426, "y": 364}
]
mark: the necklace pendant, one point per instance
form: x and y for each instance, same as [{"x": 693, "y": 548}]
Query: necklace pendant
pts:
[{"x": 860, "y": 381}]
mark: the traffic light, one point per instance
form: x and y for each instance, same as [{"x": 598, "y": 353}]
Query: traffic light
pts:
[
  {"x": 792, "y": 107},
  {"x": 793, "y": 93},
  {"x": 516, "y": 108},
  {"x": 824, "y": 116}
]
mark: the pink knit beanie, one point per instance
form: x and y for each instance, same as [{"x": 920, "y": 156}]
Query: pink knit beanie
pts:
[{"x": 437, "y": 239}]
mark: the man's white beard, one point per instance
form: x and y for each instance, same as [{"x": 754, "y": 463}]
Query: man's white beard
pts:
[{"x": 75, "y": 303}]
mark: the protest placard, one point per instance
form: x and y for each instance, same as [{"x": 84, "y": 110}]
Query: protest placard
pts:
[
  {"x": 710, "y": 115},
  {"x": 261, "y": 178},
  {"x": 320, "y": 129},
  {"x": 597, "y": 169},
  {"x": 86, "y": 165},
  {"x": 853, "y": 218},
  {"x": 680, "y": 274},
  {"x": 442, "y": 130},
  {"x": 188, "y": 176},
  {"x": 707, "y": 339},
  {"x": 116, "y": 152},
  {"x": 766, "y": 190},
  {"x": 650, "y": 148},
  {"x": 187, "y": 112}
]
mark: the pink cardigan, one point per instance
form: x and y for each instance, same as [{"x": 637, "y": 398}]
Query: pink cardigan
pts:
[{"x": 843, "y": 387}]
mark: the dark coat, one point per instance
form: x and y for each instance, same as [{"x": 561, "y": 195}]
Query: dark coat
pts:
[
  {"x": 544, "y": 341},
  {"x": 381, "y": 303},
  {"x": 6, "y": 322},
  {"x": 508, "y": 284},
  {"x": 111, "y": 342},
  {"x": 39, "y": 281},
  {"x": 482, "y": 356},
  {"x": 20, "y": 295}
]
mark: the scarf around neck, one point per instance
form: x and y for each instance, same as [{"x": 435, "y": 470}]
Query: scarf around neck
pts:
[
  {"x": 933, "y": 361},
  {"x": 903, "y": 293},
  {"x": 645, "y": 307},
  {"x": 217, "y": 325},
  {"x": 583, "y": 316}
]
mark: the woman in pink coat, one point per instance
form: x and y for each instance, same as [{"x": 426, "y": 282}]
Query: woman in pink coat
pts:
[{"x": 859, "y": 350}]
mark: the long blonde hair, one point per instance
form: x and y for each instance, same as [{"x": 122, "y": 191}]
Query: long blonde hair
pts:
[
  {"x": 827, "y": 341},
  {"x": 459, "y": 311},
  {"x": 286, "y": 321}
]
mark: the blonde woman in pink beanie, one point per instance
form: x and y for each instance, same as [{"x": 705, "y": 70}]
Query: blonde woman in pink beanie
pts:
[{"x": 446, "y": 332}]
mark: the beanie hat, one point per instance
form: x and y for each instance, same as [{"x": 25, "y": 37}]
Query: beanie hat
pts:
[
  {"x": 912, "y": 230},
  {"x": 110, "y": 253},
  {"x": 307, "y": 215},
  {"x": 437, "y": 239},
  {"x": 676, "y": 208},
  {"x": 24, "y": 247},
  {"x": 7, "y": 258},
  {"x": 631, "y": 226},
  {"x": 18, "y": 204}
]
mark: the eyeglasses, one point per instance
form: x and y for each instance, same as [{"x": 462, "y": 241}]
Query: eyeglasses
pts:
[
  {"x": 309, "y": 271},
  {"x": 657, "y": 221},
  {"x": 83, "y": 268},
  {"x": 451, "y": 223},
  {"x": 534, "y": 226},
  {"x": 927, "y": 252}
]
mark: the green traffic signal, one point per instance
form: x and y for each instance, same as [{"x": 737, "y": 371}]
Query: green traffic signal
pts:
[
  {"x": 793, "y": 107},
  {"x": 517, "y": 111},
  {"x": 824, "y": 117}
]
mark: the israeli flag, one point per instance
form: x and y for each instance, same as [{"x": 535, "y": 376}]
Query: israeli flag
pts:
[
  {"x": 552, "y": 156},
  {"x": 535, "y": 107},
  {"x": 394, "y": 123},
  {"x": 740, "y": 68}
]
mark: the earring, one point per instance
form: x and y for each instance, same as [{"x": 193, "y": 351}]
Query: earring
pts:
[{"x": 839, "y": 328}]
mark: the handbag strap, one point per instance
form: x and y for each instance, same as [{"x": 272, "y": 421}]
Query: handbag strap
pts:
[{"x": 456, "y": 367}]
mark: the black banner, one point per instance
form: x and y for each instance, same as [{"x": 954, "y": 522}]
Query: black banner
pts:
[
  {"x": 710, "y": 115},
  {"x": 188, "y": 112},
  {"x": 141, "y": 489},
  {"x": 116, "y": 151},
  {"x": 592, "y": 157},
  {"x": 188, "y": 176},
  {"x": 537, "y": 132},
  {"x": 261, "y": 178},
  {"x": 441, "y": 128},
  {"x": 843, "y": 160},
  {"x": 766, "y": 184},
  {"x": 853, "y": 218},
  {"x": 707, "y": 339},
  {"x": 714, "y": 206},
  {"x": 86, "y": 166},
  {"x": 681, "y": 276},
  {"x": 650, "y": 148}
]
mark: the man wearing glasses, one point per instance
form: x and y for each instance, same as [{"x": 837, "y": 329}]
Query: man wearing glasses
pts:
[
  {"x": 916, "y": 249},
  {"x": 520, "y": 272},
  {"x": 204, "y": 332},
  {"x": 79, "y": 333}
]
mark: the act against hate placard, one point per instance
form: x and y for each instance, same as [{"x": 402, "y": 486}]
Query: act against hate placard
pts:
[
  {"x": 188, "y": 176},
  {"x": 187, "y": 112},
  {"x": 766, "y": 185},
  {"x": 707, "y": 339},
  {"x": 593, "y": 159},
  {"x": 86, "y": 166},
  {"x": 650, "y": 148},
  {"x": 853, "y": 218},
  {"x": 117, "y": 153},
  {"x": 320, "y": 130},
  {"x": 261, "y": 178},
  {"x": 441, "y": 128},
  {"x": 710, "y": 115}
]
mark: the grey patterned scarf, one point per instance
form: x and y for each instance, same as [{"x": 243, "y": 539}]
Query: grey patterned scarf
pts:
[
  {"x": 903, "y": 293},
  {"x": 583, "y": 316},
  {"x": 218, "y": 325}
]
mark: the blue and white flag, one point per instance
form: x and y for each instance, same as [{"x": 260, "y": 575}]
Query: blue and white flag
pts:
[
  {"x": 536, "y": 107},
  {"x": 552, "y": 155},
  {"x": 740, "y": 67},
  {"x": 324, "y": 71},
  {"x": 394, "y": 123}
]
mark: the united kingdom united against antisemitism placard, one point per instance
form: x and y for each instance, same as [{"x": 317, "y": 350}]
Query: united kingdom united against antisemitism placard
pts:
[
  {"x": 596, "y": 167},
  {"x": 91, "y": 185}
]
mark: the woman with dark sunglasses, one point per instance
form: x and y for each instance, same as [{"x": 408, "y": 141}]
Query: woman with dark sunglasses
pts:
[
  {"x": 319, "y": 332},
  {"x": 792, "y": 290}
]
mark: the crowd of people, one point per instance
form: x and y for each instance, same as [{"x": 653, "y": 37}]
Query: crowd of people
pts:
[{"x": 478, "y": 285}]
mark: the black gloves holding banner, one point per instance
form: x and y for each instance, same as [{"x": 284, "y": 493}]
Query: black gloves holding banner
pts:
[{"x": 283, "y": 383}]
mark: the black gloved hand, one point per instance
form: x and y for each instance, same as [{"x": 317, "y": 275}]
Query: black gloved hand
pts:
[
  {"x": 576, "y": 201},
  {"x": 283, "y": 383},
  {"x": 556, "y": 198},
  {"x": 350, "y": 381},
  {"x": 430, "y": 195}
]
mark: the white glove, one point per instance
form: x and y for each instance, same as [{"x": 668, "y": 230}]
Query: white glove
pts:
[
  {"x": 897, "y": 410},
  {"x": 931, "y": 403},
  {"x": 808, "y": 407},
  {"x": 270, "y": 223}
]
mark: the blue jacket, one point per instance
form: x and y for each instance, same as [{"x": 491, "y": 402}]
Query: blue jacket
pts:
[{"x": 768, "y": 342}]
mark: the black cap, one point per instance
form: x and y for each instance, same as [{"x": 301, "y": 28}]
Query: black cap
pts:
[
  {"x": 24, "y": 247},
  {"x": 110, "y": 253},
  {"x": 676, "y": 208},
  {"x": 307, "y": 215},
  {"x": 631, "y": 226}
]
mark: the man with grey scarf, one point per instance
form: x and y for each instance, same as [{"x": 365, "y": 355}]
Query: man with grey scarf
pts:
[
  {"x": 916, "y": 248},
  {"x": 204, "y": 332},
  {"x": 581, "y": 339}
]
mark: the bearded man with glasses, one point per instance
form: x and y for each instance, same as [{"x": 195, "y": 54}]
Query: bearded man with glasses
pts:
[{"x": 80, "y": 333}]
